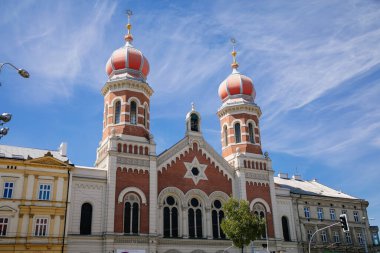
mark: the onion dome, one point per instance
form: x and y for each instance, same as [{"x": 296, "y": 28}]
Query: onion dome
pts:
[
  {"x": 236, "y": 85},
  {"x": 127, "y": 60}
]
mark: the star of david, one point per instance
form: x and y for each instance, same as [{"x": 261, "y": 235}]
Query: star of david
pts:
[{"x": 196, "y": 171}]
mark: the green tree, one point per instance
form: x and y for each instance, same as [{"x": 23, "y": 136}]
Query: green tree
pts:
[{"x": 239, "y": 224}]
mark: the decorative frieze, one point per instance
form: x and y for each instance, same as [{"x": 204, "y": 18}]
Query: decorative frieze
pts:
[{"x": 133, "y": 161}]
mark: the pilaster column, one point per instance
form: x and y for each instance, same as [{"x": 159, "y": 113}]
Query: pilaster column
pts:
[
  {"x": 153, "y": 197},
  {"x": 185, "y": 230}
]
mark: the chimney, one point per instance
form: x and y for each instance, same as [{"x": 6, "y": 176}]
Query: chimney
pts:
[
  {"x": 297, "y": 177},
  {"x": 283, "y": 175},
  {"x": 63, "y": 149}
]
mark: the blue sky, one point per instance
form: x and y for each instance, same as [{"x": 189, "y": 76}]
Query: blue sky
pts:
[{"x": 315, "y": 66}]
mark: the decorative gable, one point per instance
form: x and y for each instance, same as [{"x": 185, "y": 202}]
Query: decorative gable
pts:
[{"x": 48, "y": 160}]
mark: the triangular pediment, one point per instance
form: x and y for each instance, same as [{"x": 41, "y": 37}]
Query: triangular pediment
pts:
[
  {"x": 181, "y": 149},
  {"x": 48, "y": 160},
  {"x": 7, "y": 210}
]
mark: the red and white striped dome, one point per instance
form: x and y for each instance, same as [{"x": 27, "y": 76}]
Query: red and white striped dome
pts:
[
  {"x": 128, "y": 60},
  {"x": 237, "y": 85}
]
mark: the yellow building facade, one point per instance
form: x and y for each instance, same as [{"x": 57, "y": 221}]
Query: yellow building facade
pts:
[{"x": 34, "y": 199}]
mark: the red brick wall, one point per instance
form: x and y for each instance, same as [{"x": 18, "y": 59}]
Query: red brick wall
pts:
[
  {"x": 173, "y": 176},
  {"x": 261, "y": 191},
  {"x": 132, "y": 179}
]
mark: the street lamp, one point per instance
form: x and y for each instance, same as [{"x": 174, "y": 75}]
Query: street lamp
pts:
[
  {"x": 6, "y": 117},
  {"x": 21, "y": 72}
]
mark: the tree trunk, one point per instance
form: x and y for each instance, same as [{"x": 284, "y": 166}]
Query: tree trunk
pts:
[{"x": 242, "y": 249}]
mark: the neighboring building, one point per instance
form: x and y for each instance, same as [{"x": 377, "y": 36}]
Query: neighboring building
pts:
[
  {"x": 135, "y": 200},
  {"x": 33, "y": 206},
  {"x": 317, "y": 206}
]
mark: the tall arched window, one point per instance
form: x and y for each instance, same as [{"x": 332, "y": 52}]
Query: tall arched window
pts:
[
  {"x": 259, "y": 210},
  {"x": 237, "y": 133},
  {"x": 194, "y": 122},
  {"x": 170, "y": 217},
  {"x": 225, "y": 135},
  {"x": 251, "y": 133},
  {"x": 195, "y": 218},
  {"x": 217, "y": 217},
  {"x": 285, "y": 228},
  {"x": 131, "y": 214},
  {"x": 133, "y": 113},
  {"x": 117, "y": 111},
  {"x": 86, "y": 219}
]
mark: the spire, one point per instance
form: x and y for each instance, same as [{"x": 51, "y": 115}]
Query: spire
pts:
[
  {"x": 129, "y": 38},
  {"x": 234, "y": 64}
]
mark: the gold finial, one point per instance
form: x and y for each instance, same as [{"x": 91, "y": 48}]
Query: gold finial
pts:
[
  {"x": 129, "y": 36},
  {"x": 234, "y": 64}
]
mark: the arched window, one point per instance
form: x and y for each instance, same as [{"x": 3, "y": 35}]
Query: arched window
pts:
[
  {"x": 259, "y": 210},
  {"x": 131, "y": 214},
  {"x": 195, "y": 218},
  {"x": 217, "y": 217},
  {"x": 251, "y": 133},
  {"x": 133, "y": 113},
  {"x": 194, "y": 123},
  {"x": 86, "y": 219},
  {"x": 170, "y": 217},
  {"x": 225, "y": 135},
  {"x": 117, "y": 111},
  {"x": 237, "y": 133},
  {"x": 285, "y": 228}
]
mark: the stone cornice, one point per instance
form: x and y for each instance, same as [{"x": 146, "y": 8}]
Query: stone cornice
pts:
[
  {"x": 226, "y": 109},
  {"x": 124, "y": 84}
]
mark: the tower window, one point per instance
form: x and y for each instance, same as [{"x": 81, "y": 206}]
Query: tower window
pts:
[
  {"x": 117, "y": 112},
  {"x": 251, "y": 133},
  {"x": 194, "y": 121},
  {"x": 133, "y": 113},
  {"x": 225, "y": 134},
  {"x": 237, "y": 133},
  {"x": 285, "y": 228}
]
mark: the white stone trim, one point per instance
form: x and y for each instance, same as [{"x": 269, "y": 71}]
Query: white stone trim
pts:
[
  {"x": 261, "y": 201},
  {"x": 132, "y": 189}
]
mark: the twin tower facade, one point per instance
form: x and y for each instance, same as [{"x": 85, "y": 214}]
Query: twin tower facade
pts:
[{"x": 135, "y": 200}]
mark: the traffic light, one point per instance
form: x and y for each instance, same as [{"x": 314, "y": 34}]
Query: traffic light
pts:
[{"x": 343, "y": 221}]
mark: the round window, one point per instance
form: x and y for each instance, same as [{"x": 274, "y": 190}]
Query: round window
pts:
[
  {"x": 170, "y": 201},
  {"x": 194, "y": 202},
  {"x": 217, "y": 204},
  {"x": 195, "y": 171}
]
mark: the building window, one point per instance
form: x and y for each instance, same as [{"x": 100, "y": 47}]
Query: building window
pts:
[
  {"x": 170, "y": 217},
  {"x": 251, "y": 133},
  {"x": 285, "y": 228},
  {"x": 344, "y": 211},
  {"x": 356, "y": 216},
  {"x": 306, "y": 210},
  {"x": 375, "y": 238},
  {"x": 195, "y": 218},
  {"x": 336, "y": 237},
  {"x": 86, "y": 219},
  {"x": 332, "y": 214},
  {"x": 41, "y": 227},
  {"x": 360, "y": 239},
  {"x": 324, "y": 236},
  {"x": 133, "y": 113},
  {"x": 3, "y": 226},
  {"x": 225, "y": 134},
  {"x": 131, "y": 214},
  {"x": 259, "y": 210},
  {"x": 348, "y": 237},
  {"x": 44, "y": 193},
  {"x": 320, "y": 213},
  {"x": 117, "y": 112},
  {"x": 8, "y": 190},
  {"x": 194, "y": 122},
  {"x": 237, "y": 133},
  {"x": 217, "y": 217},
  {"x": 309, "y": 235}
]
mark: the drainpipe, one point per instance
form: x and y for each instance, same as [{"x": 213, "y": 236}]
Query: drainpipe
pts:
[{"x": 67, "y": 201}]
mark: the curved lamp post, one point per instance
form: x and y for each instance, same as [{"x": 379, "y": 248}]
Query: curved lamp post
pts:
[
  {"x": 6, "y": 117},
  {"x": 22, "y": 72}
]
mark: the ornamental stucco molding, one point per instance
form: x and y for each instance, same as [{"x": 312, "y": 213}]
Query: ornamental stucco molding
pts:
[{"x": 133, "y": 161}]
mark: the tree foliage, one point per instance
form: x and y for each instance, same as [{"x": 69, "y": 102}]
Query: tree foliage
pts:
[{"x": 239, "y": 224}]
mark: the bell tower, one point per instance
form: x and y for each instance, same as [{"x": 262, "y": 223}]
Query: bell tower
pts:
[
  {"x": 239, "y": 115},
  {"x": 127, "y": 149}
]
